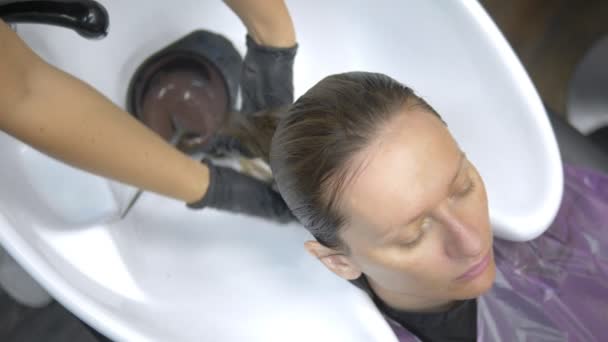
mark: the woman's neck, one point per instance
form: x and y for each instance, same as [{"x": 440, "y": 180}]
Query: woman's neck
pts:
[{"x": 400, "y": 301}]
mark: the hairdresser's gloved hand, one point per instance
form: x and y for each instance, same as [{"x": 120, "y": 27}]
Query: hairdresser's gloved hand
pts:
[
  {"x": 232, "y": 191},
  {"x": 266, "y": 77},
  {"x": 266, "y": 85}
]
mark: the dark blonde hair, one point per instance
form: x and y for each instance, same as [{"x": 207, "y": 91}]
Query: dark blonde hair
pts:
[{"x": 317, "y": 137}]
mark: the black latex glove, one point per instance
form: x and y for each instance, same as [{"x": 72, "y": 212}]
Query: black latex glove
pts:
[
  {"x": 266, "y": 77},
  {"x": 235, "y": 192},
  {"x": 266, "y": 85}
]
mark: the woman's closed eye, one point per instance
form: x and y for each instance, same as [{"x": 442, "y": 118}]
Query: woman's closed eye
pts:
[
  {"x": 414, "y": 242},
  {"x": 422, "y": 227}
]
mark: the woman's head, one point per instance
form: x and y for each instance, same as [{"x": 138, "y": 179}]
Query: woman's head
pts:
[{"x": 372, "y": 171}]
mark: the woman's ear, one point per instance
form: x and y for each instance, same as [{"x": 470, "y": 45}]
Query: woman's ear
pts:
[{"x": 334, "y": 260}]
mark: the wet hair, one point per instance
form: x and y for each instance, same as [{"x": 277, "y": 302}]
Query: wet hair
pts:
[{"x": 317, "y": 138}]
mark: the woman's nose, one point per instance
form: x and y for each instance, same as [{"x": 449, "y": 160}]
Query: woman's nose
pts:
[{"x": 461, "y": 238}]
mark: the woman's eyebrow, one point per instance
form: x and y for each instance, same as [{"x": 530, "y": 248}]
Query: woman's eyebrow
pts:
[
  {"x": 461, "y": 164},
  {"x": 463, "y": 157}
]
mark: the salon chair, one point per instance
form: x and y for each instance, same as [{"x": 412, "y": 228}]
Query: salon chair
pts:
[{"x": 576, "y": 148}]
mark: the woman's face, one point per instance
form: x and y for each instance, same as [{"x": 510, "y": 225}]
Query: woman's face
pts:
[{"x": 417, "y": 213}]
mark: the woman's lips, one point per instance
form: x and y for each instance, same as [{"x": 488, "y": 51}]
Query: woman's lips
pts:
[{"x": 476, "y": 269}]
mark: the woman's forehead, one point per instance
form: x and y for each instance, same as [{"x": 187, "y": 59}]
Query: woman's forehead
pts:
[{"x": 407, "y": 170}]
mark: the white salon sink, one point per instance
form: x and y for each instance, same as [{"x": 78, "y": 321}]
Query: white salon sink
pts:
[{"x": 171, "y": 274}]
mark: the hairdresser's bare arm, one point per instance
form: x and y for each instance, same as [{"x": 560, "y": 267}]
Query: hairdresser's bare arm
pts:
[
  {"x": 67, "y": 119},
  {"x": 268, "y": 21}
]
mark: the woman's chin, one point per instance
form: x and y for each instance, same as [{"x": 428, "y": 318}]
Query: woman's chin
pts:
[{"x": 480, "y": 285}]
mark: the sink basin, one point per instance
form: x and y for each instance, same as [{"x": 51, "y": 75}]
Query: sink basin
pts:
[{"x": 166, "y": 273}]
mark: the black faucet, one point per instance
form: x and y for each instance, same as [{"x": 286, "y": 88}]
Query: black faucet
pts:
[{"x": 88, "y": 18}]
